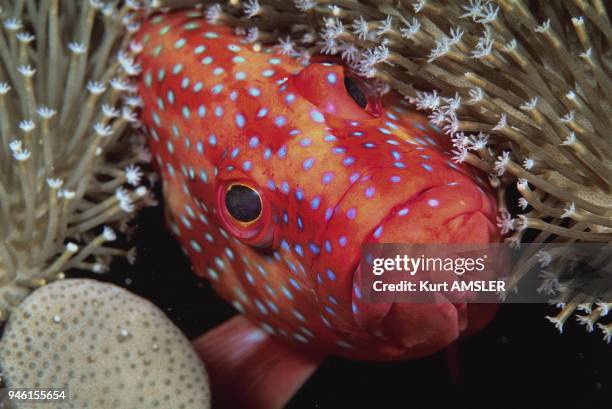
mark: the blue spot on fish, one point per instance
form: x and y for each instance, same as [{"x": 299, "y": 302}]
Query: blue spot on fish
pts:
[{"x": 317, "y": 116}]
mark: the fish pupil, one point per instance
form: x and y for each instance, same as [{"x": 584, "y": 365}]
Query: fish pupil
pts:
[
  {"x": 355, "y": 92},
  {"x": 243, "y": 203}
]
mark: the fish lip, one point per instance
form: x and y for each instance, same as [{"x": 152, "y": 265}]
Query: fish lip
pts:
[{"x": 356, "y": 269}]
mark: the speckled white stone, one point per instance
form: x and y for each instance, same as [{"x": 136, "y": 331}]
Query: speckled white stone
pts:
[{"x": 109, "y": 347}]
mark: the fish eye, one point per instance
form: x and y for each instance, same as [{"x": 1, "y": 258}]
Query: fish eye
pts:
[
  {"x": 355, "y": 92},
  {"x": 243, "y": 203},
  {"x": 245, "y": 212}
]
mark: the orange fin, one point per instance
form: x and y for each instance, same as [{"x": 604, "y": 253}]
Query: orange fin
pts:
[{"x": 249, "y": 369}]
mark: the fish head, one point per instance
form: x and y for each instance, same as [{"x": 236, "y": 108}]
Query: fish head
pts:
[{"x": 275, "y": 173}]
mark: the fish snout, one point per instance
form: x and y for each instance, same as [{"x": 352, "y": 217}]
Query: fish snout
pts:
[
  {"x": 429, "y": 201},
  {"x": 452, "y": 212}
]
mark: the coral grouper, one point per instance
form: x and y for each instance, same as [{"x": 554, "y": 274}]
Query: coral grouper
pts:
[{"x": 276, "y": 172}]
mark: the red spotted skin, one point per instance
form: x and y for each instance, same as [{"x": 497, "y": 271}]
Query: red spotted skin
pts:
[{"x": 330, "y": 175}]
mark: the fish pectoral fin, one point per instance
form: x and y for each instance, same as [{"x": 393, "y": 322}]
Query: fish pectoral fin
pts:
[{"x": 250, "y": 369}]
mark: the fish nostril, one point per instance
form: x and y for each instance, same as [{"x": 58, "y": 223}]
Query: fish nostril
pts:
[
  {"x": 355, "y": 92},
  {"x": 335, "y": 91}
]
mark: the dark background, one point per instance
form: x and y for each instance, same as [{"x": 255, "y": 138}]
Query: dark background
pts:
[{"x": 519, "y": 360}]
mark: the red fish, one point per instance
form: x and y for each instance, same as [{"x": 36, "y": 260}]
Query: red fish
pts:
[{"x": 276, "y": 173}]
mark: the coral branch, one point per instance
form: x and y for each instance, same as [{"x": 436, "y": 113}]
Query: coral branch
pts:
[{"x": 56, "y": 141}]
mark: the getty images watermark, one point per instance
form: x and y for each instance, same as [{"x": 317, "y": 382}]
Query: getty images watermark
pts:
[{"x": 484, "y": 273}]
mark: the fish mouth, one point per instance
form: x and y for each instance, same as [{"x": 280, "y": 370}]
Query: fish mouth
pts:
[
  {"x": 427, "y": 209},
  {"x": 394, "y": 330}
]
